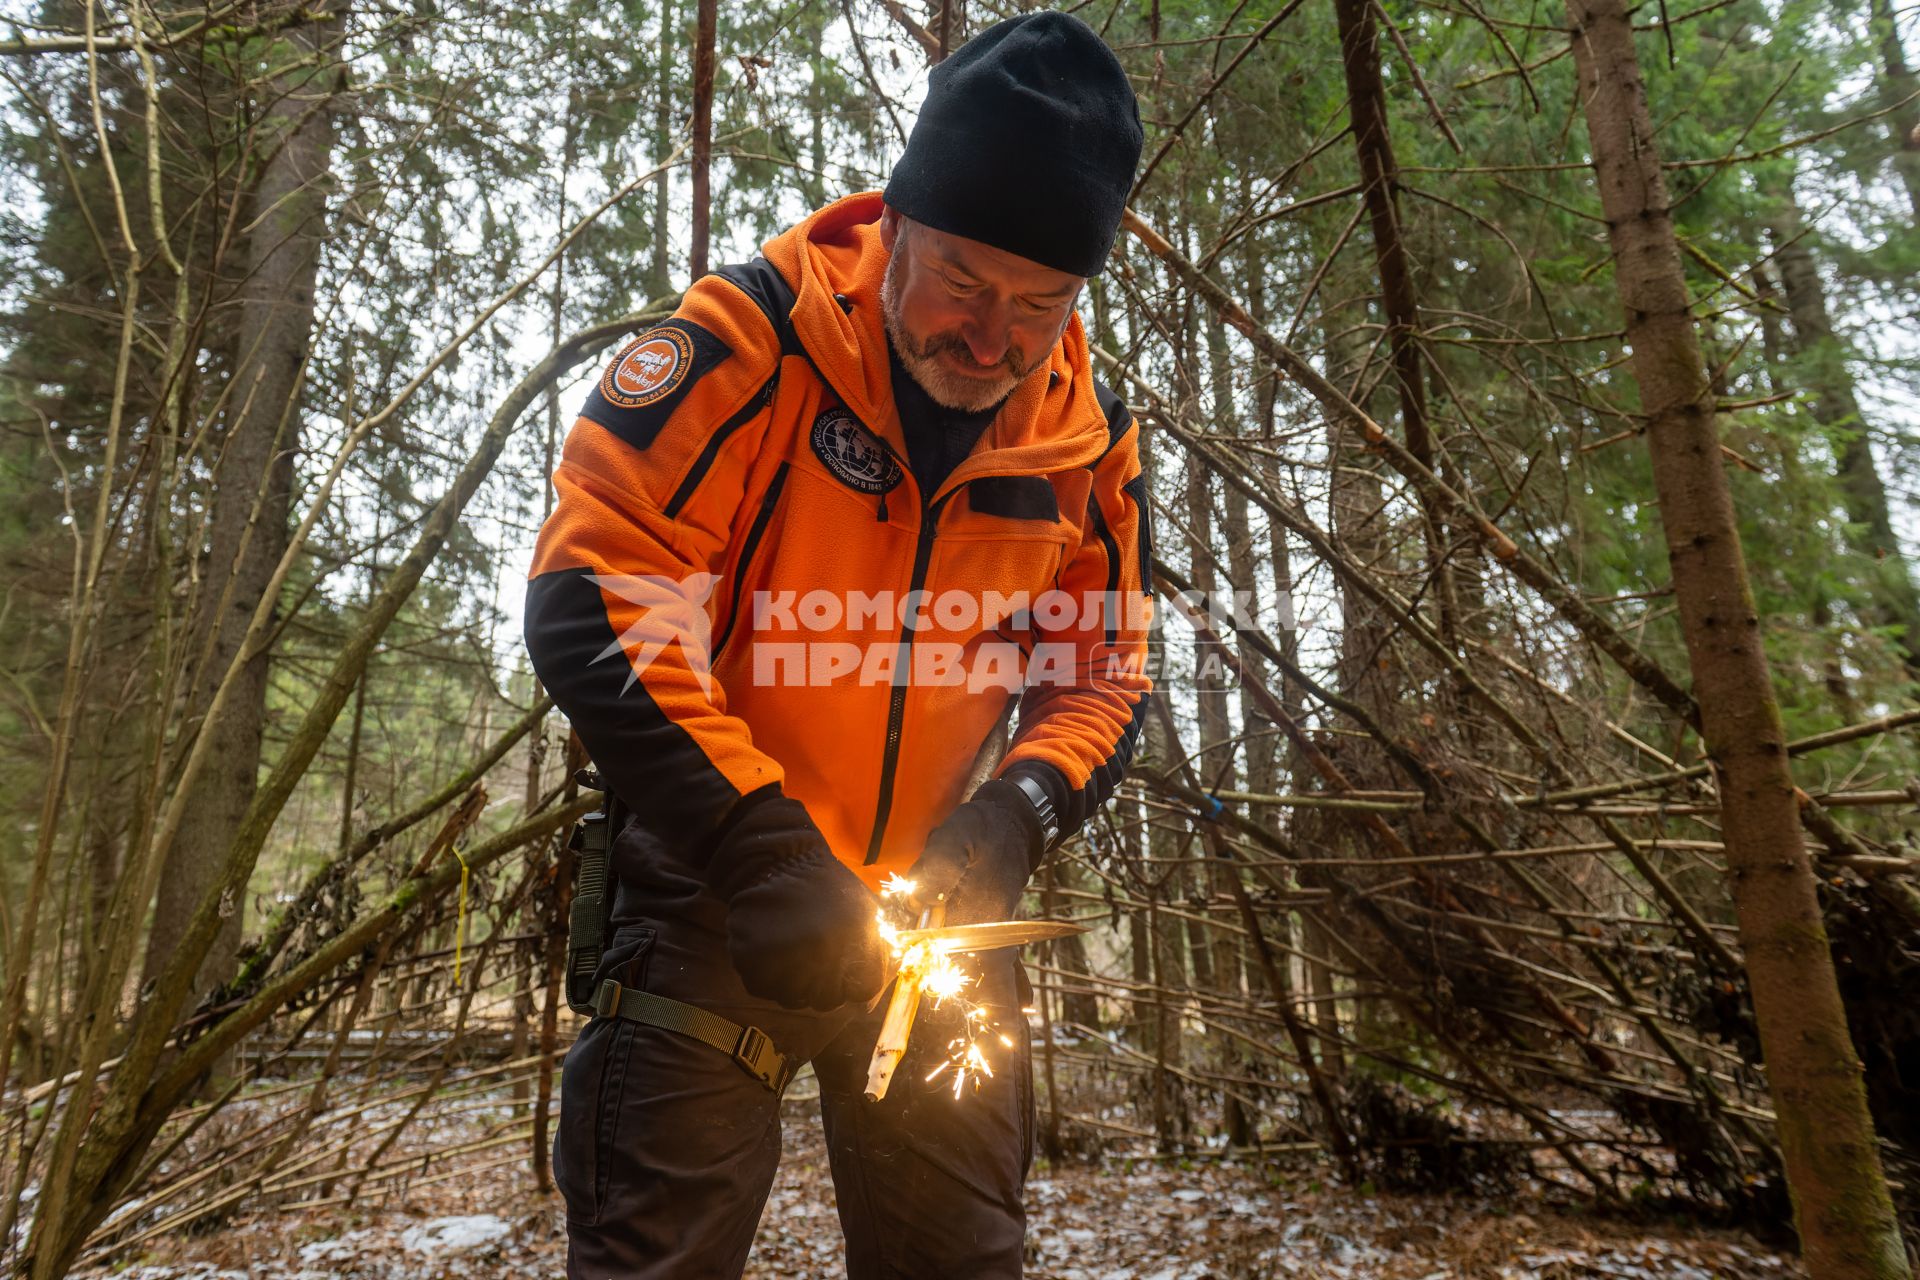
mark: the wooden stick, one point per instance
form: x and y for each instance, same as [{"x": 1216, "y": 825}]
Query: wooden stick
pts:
[
  {"x": 892, "y": 1044},
  {"x": 891, "y": 1047}
]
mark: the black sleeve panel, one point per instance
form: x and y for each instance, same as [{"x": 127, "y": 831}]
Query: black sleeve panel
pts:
[
  {"x": 762, "y": 282},
  {"x": 652, "y": 764},
  {"x": 1136, "y": 489},
  {"x": 1115, "y": 409}
]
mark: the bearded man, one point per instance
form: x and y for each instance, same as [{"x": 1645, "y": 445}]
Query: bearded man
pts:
[{"x": 875, "y": 469}]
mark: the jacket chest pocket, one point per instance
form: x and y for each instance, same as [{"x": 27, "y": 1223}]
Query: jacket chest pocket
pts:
[
  {"x": 983, "y": 582},
  {"x": 1007, "y": 540}
]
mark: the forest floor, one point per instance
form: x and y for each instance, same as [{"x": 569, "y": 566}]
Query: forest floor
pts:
[{"x": 1138, "y": 1220}]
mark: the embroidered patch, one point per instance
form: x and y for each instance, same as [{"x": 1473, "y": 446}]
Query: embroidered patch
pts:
[
  {"x": 854, "y": 455},
  {"x": 651, "y": 378},
  {"x": 649, "y": 370}
]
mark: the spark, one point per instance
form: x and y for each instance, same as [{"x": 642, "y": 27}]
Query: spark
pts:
[
  {"x": 936, "y": 970},
  {"x": 943, "y": 979},
  {"x": 966, "y": 1054},
  {"x": 968, "y": 1062}
]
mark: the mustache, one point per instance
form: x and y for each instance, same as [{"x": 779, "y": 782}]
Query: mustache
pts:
[{"x": 957, "y": 346}]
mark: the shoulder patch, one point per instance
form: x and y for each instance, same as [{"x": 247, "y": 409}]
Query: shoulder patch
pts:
[
  {"x": 854, "y": 454},
  {"x": 650, "y": 377},
  {"x": 649, "y": 369}
]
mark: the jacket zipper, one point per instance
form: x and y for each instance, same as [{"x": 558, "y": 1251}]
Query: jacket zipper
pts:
[
  {"x": 752, "y": 544},
  {"x": 902, "y": 672},
  {"x": 702, "y": 464}
]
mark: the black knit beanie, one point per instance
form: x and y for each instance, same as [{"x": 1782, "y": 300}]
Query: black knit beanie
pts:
[{"x": 1028, "y": 141}]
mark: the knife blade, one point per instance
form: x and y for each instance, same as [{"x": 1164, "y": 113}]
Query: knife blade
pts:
[{"x": 991, "y": 935}]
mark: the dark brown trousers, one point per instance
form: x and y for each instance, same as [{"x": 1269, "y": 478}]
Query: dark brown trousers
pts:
[{"x": 667, "y": 1148}]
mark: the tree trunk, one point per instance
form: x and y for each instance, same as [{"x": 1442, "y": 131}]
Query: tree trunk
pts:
[
  {"x": 1140, "y": 1002},
  {"x": 1767, "y": 310},
  {"x": 660, "y": 270},
  {"x": 557, "y": 903},
  {"x": 1230, "y": 975},
  {"x": 1897, "y": 85},
  {"x": 248, "y": 522},
  {"x": 1078, "y": 1001},
  {"x": 1379, "y": 178},
  {"x": 703, "y": 71},
  {"x": 1357, "y": 514},
  {"x": 1841, "y": 1206},
  {"x": 1823, "y": 362},
  {"x": 1214, "y": 964},
  {"x": 1284, "y": 761},
  {"x": 350, "y": 783},
  {"x": 1356, "y": 510},
  {"x": 1160, "y": 956}
]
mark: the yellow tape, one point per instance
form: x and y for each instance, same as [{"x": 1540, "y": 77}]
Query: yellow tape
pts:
[{"x": 460, "y": 922}]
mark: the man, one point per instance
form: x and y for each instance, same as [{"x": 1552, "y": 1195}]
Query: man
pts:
[{"x": 810, "y": 532}]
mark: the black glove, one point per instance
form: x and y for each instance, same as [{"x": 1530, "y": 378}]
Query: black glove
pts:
[
  {"x": 800, "y": 926},
  {"x": 979, "y": 859}
]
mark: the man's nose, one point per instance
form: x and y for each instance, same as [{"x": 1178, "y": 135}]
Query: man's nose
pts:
[{"x": 987, "y": 342}]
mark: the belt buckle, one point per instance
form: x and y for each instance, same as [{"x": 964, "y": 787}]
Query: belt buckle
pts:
[
  {"x": 606, "y": 1000},
  {"x": 757, "y": 1056}
]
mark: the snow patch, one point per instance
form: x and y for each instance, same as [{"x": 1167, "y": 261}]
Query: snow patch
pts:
[
  {"x": 338, "y": 1249},
  {"x": 454, "y": 1235}
]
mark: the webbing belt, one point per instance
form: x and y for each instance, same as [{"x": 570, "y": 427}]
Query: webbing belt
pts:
[{"x": 748, "y": 1046}]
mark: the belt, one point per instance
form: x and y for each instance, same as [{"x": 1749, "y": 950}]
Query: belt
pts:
[{"x": 750, "y": 1047}]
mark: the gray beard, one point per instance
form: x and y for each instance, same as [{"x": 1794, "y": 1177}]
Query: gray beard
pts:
[{"x": 947, "y": 389}]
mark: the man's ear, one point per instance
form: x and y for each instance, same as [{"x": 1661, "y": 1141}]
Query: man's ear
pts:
[{"x": 889, "y": 227}]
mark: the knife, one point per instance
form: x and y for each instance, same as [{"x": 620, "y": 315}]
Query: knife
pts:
[{"x": 990, "y": 936}]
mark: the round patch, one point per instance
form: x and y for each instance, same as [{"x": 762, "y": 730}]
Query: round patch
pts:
[
  {"x": 654, "y": 365},
  {"x": 852, "y": 453}
]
